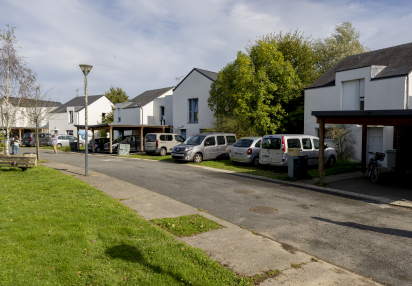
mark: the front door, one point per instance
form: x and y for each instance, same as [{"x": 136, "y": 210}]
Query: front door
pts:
[
  {"x": 375, "y": 141},
  {"x": 210, "y": 148}
]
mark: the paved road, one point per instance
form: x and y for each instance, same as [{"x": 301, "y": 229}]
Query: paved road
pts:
[{"x": 373, "y": 240}]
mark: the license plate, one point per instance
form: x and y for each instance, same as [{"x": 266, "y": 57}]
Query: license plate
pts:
[
  {"x": 265, "y": 157},
  {"x": 179, "y": 155},
  {"x": 150, "y": 148},
  {"x": 238, "y": 154}
]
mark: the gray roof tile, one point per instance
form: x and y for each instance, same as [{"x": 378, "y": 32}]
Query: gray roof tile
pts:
[
  {"x": 77, "y": 102},
  {"x": 147, "y": 97}
]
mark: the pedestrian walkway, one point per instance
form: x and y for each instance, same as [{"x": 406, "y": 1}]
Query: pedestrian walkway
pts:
[{"x": 234, "y": 247}]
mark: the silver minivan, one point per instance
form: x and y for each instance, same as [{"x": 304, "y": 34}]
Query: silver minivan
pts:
[
  {"x": 204, "y": 146},
  {"x": 64, "y": 140},
  {"x": 274, "y": 149},
  {"x": 161, "y": 143}
]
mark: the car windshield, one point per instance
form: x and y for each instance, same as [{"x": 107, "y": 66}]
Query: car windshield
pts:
[
  {"x": 194, "y": 140},
  {"x": 243, "y": 143}
]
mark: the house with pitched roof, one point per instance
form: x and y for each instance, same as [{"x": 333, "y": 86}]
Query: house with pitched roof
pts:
[
  {"x": 152, "y": 107},
  {"x": 73, "y": 113},
  {"x": 376, "y": 80},
  {"x": 191, "y": 112}
]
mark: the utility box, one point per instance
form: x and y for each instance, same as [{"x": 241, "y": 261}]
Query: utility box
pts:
[
  {"x": 297, "y": 167},
  {"x": 294, "y": 151},
  {"x": 123, "y": 150},
  {"x": 391, "y": 160}
]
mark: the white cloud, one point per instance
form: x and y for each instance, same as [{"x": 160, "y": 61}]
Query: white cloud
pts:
[{"x": 141, "y": 45}]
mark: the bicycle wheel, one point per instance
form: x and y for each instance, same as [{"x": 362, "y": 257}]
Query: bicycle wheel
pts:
[{"x": 374, "y": 172}]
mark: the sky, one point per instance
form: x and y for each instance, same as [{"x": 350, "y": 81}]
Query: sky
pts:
[{"x": 147, "y": 44}]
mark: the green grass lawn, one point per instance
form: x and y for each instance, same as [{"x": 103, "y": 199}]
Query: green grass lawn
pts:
[
  {"x": 57, "y": 230},
  {"x": 339, "y": 168}
]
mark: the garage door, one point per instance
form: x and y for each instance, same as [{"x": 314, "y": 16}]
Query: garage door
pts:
[{"x": 375, "y": 141}]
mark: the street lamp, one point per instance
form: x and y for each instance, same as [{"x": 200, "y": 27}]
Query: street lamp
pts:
[{"x": 86, "y": 69}]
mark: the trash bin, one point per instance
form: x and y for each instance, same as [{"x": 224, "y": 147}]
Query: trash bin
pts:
[
  {"x": 391, "y": 160},
  {"x": 302, "y": 168},
  {"x": 73, "y": 146},
  {"x": 123, "y": 150},
  {"x": 292, "y": 166}
]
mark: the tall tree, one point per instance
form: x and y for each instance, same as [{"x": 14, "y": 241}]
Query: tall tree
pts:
[
  {"x": 16, "y": 81},
  {"x": 344, "y": 41},
  {"x": 254, "y": 88},
  {"x": 115, "y": 95},
  {"x": 39, "y": 107}
]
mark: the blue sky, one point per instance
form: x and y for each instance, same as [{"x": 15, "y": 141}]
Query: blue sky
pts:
[{"x": 140, "y": 45}]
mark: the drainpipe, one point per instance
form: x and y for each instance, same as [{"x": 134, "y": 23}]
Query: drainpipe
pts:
[{"x": 407, "y": 91}]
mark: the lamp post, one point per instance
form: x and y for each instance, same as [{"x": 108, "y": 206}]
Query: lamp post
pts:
[{"x": 86, "y": 69}]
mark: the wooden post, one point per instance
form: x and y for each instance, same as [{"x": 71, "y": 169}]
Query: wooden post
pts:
[
  {"x": 92, "y": 140},
  {"x": 20, "y": 134},
  {"x": 163, "y": 129},
  {"x": 321, "y": 149},
  {"x": 364, "y": 134},
  {"x": 111, "y": 139},
  {"x": 78, "y": 139},
  {"x": 141, "y": 139},
  {"x": 122, "y": 133}
]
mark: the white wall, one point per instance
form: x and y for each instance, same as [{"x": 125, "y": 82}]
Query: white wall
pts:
[
  {"x": 383, "y": 94},
  {"x": 197, "y": 86}
]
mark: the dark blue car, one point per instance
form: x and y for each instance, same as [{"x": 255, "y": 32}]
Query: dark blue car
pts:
[{"x": 98, "y": 144}]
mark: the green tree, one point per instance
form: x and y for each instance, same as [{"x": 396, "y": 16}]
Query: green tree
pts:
[
  {"x": 254, "y": 88},
  {"x": 343, "y": 42},
  {"x": 115, "y": 95}
]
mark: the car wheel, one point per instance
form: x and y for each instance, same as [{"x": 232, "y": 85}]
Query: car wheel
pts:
[
  {"x": 197, "y": 158},
  {"x": 331, "y": 162},
  {"x": 163, "y": 152},
  {"x": 59, "y": 145},
  {"x": 98, "y": 150},
  {"x": 256, "y": 161}
]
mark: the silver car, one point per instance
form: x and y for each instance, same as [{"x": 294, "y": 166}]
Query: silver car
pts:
[
  {"x": 204, "y": 146},
  {"x": 64, "y": 140},
  {"x": 246, "y": 150}
]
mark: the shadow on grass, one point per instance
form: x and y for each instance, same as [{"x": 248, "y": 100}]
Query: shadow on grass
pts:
[
  {"x": 9, "y": 169},
  {"x": 384, "y": 230},
  {"x": 132, "y": 254}
]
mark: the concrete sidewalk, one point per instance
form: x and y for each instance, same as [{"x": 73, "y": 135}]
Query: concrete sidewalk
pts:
[{"x": 236, "y": 248}]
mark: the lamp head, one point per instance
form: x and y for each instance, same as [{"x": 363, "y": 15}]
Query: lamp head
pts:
[{"x": 85, "y": 69}]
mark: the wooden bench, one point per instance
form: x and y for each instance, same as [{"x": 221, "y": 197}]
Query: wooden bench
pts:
[{"x": 23, "y": 162}]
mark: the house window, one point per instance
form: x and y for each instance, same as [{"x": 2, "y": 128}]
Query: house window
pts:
[
  {"x": 69, "y": 132},
  {"x": 103, "y": 115},
  {"x": 119, "y": 119},
  {"x": 193, "y": 110},
  {"x": 70, "y": 116},
  {"x": 162, "y": 115}
]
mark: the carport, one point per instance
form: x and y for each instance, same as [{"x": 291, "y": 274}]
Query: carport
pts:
[
  {"x": 142, "y": 130},
  {"x": 400, "y": 119}
]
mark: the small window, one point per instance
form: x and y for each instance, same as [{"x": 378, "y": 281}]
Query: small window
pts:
[
  {"x": 179, "y": 138},
  {"x": 103, "y": 115},
  {"x": 169, "y": 137},
  {"x": 69, "y": 132},
  {"x": 211, "y": 141},
  {"x": 230, "y": 139},
  {"x": 162, "y": 137},
  {"x": 193, "y": 110},
  {"x": 70, "y": 116},
  {"x": 293, "y": 143},
  {"x": 271, "y": 143},
  {"x": 221, "y": 140},
  {"x": 316, "y": 144},
  {"x": 162, "y": 113},
  {"x": 258, "y": 144},
  {"x": 306, "y": 144},
  {"x": 119, "y": 117}
]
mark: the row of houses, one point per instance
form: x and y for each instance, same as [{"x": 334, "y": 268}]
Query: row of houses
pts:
[{"x": 376, "y": 80}]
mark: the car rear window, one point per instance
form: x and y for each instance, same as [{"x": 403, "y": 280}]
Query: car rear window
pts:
[
  {"x": 293, "y": 143},
  {"x": 243, "y": 143},
  {"x": 27, "y": 135},
  {"x": 271, "y": 143},
  {"x": 230, "y": 139},
  {"x": 151, "y": 138}
]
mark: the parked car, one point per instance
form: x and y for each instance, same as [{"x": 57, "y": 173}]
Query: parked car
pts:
[
  {"x": 29, "y": 139},
  {"x": 246, "y": 150},
  {"x": 204, "y": 146},
  {"x": 115, "y": 143},
  {"x": 161, "y": 143},
  {"x": 64, "y": 140},
  {"x": 274, "y": 149},
  {"x": 134, "y": 142},
  {"x": 98, "y": 144}
]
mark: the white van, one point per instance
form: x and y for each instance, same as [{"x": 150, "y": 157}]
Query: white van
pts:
[
  {"x": 161, "y": 143},
  {"x": 274, "y": 149}
]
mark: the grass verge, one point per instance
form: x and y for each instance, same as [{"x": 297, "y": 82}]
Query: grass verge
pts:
[
  {"x": 58, "y": 230},
  {"x": 187, "y": 225}
]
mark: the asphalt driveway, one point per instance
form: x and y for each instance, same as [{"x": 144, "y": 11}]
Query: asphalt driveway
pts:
[{"x": 371, "y": 239}]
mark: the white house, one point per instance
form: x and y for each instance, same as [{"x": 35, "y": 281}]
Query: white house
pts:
[
  {"x": 191, "y": 112},
  {"x": 152, "y": 107},
  {"x": 73, "y": 113},
  {"x": 376, "y": 80}
]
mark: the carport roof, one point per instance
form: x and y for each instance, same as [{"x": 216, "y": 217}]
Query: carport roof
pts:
[{"x": 366, "y": 117}]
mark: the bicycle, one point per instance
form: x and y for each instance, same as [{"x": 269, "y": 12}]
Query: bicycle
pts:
[{"x": 374, "y": 167}]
